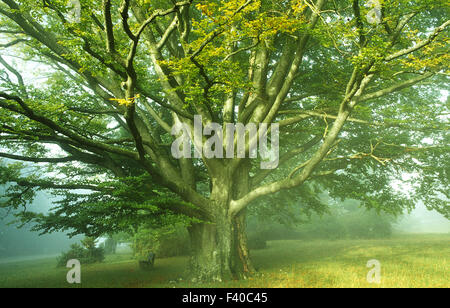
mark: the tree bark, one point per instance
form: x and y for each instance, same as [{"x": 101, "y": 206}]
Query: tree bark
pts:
[
  {"x": 211, "y": 246},
  {"x": 219, "y": 251},
  {"x": 242, "y": 264},
  {"x": 241, "y": 188},
  {"x": 219, "y": 248}
]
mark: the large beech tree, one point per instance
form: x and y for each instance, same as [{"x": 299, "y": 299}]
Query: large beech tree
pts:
[{"x": 356, "y": 87}]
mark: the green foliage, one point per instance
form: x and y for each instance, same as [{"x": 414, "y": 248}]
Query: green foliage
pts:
[
  {"x": 120, "y": 206},
  {"x": 257, "y": 241},
  {"x": 345, "y": 220},
  {"x": 86, "y": 253},
  {"x": 164, "y": 242},
  {"x": 355, "y": 225}
]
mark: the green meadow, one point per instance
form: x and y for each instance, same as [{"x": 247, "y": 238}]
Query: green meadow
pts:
[{"x": 407, "y": 261}]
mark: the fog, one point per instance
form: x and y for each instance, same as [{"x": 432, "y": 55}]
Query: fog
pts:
[
  {"x": 422, "y": 220},
  {"x": 23, "y": 244}
]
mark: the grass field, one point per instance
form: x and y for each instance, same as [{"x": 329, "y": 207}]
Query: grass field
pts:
[{"x": 406, "y": 261}]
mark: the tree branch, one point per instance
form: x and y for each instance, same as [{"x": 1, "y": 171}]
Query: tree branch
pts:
[
  {"x": 395, "y": 88},
  {"x": 110, "y": 43},
  {"x": 420, "y": 45},
  {"x": 54, "y": 126},
  {"x": 38, "y": 160}
]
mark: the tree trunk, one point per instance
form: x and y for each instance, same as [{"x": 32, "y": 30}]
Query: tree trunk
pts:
[
  {"x": 211, "y": 246},
  {"x": 219, "y": 251},
  {"x": 242, "y": 262},
  {"x": 219, "y": 248},
  {"x": 241, "y": 186}
]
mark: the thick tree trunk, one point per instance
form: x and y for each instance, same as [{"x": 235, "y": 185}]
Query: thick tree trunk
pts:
[
  {"x": 219, "y": 251},
  {"x": 219, "y": 248},
  {"x": 241, "y": 186},
  {"x": 211, "y": 246},
  {"x": 242, "y": 263}
]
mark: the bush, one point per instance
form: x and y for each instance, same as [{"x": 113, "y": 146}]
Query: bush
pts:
[
  {"x": 174, "y": 244},
  {"x": 86, "y": 255},
  {"x": 347, "y": 223},
  {"x": 368, "y": 225},
  {"x": 326, "y": 227},
  {"x": 256, "y": 242},
  {"x": 164, "y": 242}
]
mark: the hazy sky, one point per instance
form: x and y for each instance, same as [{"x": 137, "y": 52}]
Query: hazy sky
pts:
[{"x": 423, "y": 221}]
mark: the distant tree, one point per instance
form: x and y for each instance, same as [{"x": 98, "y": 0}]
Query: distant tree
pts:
[
  {"x": 357, "y": 99},
  {"x": 86, "y": 253},
  {"x": 329, "y": 219},
  {"x": 110, "y": 245}
]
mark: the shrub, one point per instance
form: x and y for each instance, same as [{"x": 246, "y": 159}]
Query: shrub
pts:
[
  {"x": 174, "y": 244},
  {"x": 368, "y": 225},
  {"x": 86, "y": 255},
  {"x": 164, "y": 242},
  {"x": 256, "y": 242},
  {"x": 347, "y": 223}
]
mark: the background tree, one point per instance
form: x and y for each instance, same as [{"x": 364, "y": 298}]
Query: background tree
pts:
[
  {"x": 110, "y": 245},
  {"x": 358, "y": 104},
  {"x": 86, "y": 253}
]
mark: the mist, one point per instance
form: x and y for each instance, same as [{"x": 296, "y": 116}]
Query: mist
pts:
[
  {"x": 421, "y": 220},
  {"x": 23, "y": 244}
]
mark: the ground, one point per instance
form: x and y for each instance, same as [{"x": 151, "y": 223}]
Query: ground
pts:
[{"x": 406, "y": 261}]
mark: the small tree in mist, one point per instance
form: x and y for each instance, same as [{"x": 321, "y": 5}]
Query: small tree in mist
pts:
[{"x": 86, "y": 253}]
